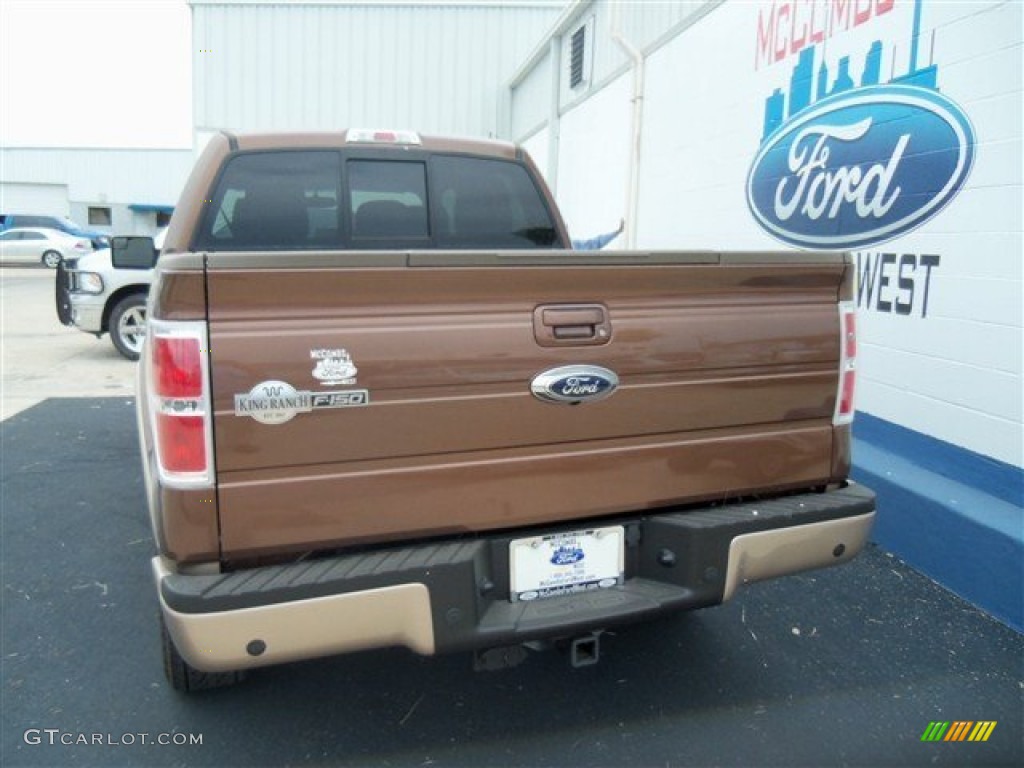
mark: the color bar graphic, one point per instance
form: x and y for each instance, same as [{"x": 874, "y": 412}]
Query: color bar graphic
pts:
[
  {"x": 982, "y": 730},
  {"x": 959, "y": 730}
]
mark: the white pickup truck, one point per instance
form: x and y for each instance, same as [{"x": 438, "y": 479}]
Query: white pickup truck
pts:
[{"x": 96, "y": 297}]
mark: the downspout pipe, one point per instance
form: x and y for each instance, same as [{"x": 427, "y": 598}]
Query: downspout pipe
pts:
[
  {"x": 554, "y": 117},
  {"x": 633, "y": 183}
]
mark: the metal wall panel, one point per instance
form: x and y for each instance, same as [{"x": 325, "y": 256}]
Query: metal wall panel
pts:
[
  {"x": 645, "y": 25},
  {"x": 436, "y": 68},
  {"x": 530, "y": 100},
  {"x": 28, "y": 197},
  {"x": 102, "y": 175}
]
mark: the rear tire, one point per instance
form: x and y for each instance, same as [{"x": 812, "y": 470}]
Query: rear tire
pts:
[
  {"x": 127, "y": 325},
  {"x": 51, "y": 259},
  {"x": 185, "y": 678}
]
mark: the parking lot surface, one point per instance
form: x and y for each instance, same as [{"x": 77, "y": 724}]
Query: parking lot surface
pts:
[
  {"x": 40, "y": 358},
  {"x": 846, "y": 666}
]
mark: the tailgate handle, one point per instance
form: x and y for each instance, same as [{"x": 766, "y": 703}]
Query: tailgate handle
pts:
[{"x": 569, "y": 324}]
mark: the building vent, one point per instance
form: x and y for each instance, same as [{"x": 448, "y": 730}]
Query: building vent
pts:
[{"x": 579, "y": 39}]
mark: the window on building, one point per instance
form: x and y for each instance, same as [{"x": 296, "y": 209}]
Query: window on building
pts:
[
  {"x": 162, "y": 219},
  {"x": 99, "y": 216}
]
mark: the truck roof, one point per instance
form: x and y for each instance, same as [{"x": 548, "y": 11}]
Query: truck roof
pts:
[{"x": 385, "y": 139}]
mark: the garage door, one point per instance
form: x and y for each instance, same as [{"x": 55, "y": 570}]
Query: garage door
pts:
[{"x": 44, "y": 199}]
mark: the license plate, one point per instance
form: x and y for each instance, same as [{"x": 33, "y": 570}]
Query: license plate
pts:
[{"x": 566, "y": 563}]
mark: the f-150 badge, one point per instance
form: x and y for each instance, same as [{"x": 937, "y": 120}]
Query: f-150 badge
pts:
[
  {"x": 574, "y": 384},
  {"x": 275, "y": 402},
  {"x": 333, "y": 367}
]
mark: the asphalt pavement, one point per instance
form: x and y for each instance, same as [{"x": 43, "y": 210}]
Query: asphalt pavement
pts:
[{"x": 846, "y": 666}]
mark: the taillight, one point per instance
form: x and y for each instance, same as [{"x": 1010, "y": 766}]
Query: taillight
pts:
[
  {"x": 847, "y": 363},
  {"x": 182, "y": 442},
  {"x": 180, "y": 402},
  {"x": 177, "y": 368}
]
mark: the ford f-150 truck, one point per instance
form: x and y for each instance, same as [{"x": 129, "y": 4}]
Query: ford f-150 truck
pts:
[{"x": 381, "y": 403}]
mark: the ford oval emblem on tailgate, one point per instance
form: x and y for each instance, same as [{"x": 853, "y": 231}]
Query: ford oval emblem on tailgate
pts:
[{"x": 574, "y": 384}]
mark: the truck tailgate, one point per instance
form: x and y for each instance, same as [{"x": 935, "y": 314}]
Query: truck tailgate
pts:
[{"x": 727, "y": 368}]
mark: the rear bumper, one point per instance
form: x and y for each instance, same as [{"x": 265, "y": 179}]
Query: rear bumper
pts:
[{"x": 453, "y": 596}]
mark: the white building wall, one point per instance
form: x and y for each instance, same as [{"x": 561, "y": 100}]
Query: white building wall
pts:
[
  {"x": 941, "y": 304},
  {"x": 644, "y": 25},
  {"x": 130, "y": 176},
  {"x": 325, "y": 66},
  {"x": 32, "y": 197},
  {"x": 530, "y": 100},
  {"x": 700, "y": 134},
  {"x": 593, "y": 161},
  {"x": 111, "y": 178},
  {"x": 537, "y": 147}
]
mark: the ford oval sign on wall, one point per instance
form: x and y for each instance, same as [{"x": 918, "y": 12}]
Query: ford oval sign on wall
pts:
[
  {"x": 574, "y": 384},
  {"x": 861, "y": 167}
]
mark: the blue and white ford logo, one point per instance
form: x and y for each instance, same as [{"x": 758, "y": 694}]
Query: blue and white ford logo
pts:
[
  {"x": 567, "y": 556},
  {"x": 861, "y": 167},
  {"x": 574, "y": 384}
]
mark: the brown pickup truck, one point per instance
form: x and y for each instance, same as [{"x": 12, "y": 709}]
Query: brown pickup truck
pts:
[{"x": 382, "y": 404}]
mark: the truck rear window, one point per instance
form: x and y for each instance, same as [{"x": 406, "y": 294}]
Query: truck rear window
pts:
[
  {"x": 275, "y": 200},
  {"x": 482, "y": 203},
  {"x": 387, "y": 200},
  {"x": 316, "y": 199}
]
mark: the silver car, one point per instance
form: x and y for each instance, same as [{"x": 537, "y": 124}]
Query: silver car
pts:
[
  {"x": 38, "y": 245},
  {"x": 98, "y": 298}
]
